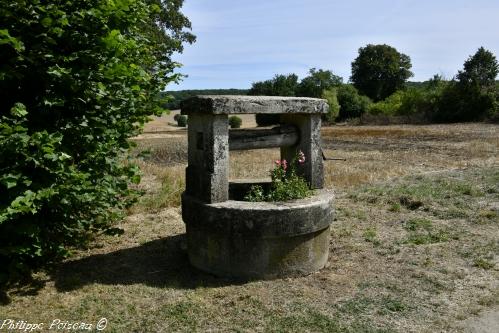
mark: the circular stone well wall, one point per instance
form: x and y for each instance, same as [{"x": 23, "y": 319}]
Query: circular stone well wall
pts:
[
  {"x": 234, "y": 238},
  {"x": 259, "y": 239}
]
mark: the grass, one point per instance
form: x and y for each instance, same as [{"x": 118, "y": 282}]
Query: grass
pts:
[
  {"x": 162, "y": 188},
  {"x": 414, "y": 245},
  {"x": 422, "y": 231},
  {"x": 483, "y": 263},
  {"x": 370, "y": 235}
]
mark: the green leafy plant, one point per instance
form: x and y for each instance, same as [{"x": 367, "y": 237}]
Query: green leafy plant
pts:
[
  {"x": 371, "y": 236},
  {"x": 352, "y": 105},
  {"x": 389, "y": 106},
  {"x": 77, "y": 80},
  {"x": 483, "y": 263},
  {"x": 235, "y": 122},
  {"x": 182, "y": 121},
  {"x": 330, "y": 95},
  {"x": 286, "y": 183},
  {"x": 422, "y": 231}
]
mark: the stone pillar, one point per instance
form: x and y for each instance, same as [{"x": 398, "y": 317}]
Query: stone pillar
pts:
[
  {"x": 207, "y": 175},
  {"x": 309, "y": 126}
]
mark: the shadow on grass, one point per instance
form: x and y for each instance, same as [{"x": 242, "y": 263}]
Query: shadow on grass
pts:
[{"x": 160, "y": 263}]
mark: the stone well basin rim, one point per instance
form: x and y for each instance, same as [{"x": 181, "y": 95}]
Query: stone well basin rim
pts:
[{"x": 261, "y": 219}]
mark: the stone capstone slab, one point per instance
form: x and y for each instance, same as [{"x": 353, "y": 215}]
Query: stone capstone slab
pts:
[{"x": 228, "y": 104}]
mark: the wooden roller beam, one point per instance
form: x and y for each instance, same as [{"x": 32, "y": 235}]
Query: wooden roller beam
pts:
[{"x": 279, "y": 136}]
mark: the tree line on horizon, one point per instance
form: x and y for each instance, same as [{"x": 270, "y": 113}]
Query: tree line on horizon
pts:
[{"x": 379, "y": 85}]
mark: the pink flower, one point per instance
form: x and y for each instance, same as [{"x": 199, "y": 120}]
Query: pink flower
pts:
[
  {"x": 277, "y": 162},
  {"x": 301, "y": 157},
  {"x": 284, "y": 164}
]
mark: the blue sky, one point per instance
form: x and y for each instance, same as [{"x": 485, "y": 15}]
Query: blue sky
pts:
[{"x": 240, "y": 42}]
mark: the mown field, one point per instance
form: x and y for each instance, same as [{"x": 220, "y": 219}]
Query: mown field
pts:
[{"x": 414, "y": 246}]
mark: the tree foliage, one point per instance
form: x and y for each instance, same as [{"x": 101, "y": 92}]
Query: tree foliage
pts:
[
  {"x": 314, "y": 85},
  {"x": 473, "y": 95},
  {"x": 422, "y": 101},
  {"x": 316, "y": 82},
  {"x": 390, "y": 106},
  {"x": 331, "y": 96},
  {"x": 280, "y": 85},
  {"x": 77, "y": 79},
  {"x": 352, "y": 105},
  {"x": 379, "y": 71},
  {"x": 479, "y": 70}
]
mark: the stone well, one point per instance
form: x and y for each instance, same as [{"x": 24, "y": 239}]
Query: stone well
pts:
[{"x": 233, "y": 238}]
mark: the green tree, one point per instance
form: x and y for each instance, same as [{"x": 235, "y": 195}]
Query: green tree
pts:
[
  {"x": 280, "y": 85},
  {"x": 473, "y": 95},
  {"x": 479, "y": 70},
  {"x": 352, "y": 105},
  {"x": 379, "y": 71},
  {"x": 77, "y": 80},
  {"x": 316, "y": 82}
]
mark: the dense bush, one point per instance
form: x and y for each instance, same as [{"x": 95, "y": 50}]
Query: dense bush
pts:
[
  {"x": 77, "y": 79},
  {"x": 422, "y": 101},
  {"x": 331, "y": 96},
  {"x": 389, "y": 106},
  {"x": 235, "y": 122},
  {"x": 182, "y": 121},
  {"x": 458, "y": 103},
  {"x": 352, "y": 105}
]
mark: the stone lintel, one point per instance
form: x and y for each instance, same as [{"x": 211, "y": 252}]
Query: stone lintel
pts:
[{"x": 228, "y": 104}]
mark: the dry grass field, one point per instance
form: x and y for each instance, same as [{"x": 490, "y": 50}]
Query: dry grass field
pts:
[{"x": 414, "y": 245}]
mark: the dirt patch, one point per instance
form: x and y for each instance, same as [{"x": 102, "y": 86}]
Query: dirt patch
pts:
[{"x": 487, "y": 322}]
